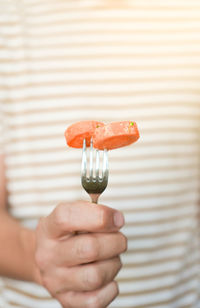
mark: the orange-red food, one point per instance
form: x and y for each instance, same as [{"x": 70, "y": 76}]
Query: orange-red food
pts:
[
  {"x": 77, "y": 132},
  {"x": 115, "y": 135}
]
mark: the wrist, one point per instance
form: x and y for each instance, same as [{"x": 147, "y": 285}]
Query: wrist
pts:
[{"x": 28, "y": 240}]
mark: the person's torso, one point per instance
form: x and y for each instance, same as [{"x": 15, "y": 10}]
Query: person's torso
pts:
[{"x": 67, "y": 61}]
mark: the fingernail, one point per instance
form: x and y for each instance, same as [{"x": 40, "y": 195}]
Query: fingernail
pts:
[{"x": 118, "y": 219}]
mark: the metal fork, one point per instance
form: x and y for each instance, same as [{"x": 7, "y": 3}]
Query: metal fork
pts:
[{"x": 94, "y": 185}]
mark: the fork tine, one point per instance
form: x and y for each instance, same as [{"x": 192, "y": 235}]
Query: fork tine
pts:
[
  {"x": 94, "y": 185},
  {"x": 84, "y": 160},
  {"x": 105, "y": 164},
  {"x": 97, "y": 164},
  {"x": 91, "y": 159}
]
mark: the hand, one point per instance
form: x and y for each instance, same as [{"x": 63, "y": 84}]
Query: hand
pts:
[{"x": 79, "y": 269}]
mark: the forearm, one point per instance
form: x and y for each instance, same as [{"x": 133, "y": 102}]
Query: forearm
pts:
[{"x": 17, "y": 247}]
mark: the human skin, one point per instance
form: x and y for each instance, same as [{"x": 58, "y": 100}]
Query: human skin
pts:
[{"x": 77, "y": 268}]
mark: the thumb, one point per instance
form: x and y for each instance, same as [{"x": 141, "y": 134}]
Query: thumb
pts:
[{"x": 82, "y": 216}]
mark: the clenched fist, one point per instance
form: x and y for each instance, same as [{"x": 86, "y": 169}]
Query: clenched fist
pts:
[{"x": 78, "y": 268}]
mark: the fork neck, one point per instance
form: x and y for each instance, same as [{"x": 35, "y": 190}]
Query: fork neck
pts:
[{"x": 94, "y": 197}]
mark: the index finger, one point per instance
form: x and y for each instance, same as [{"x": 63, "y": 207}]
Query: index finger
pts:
[{"x": 82, "y": 216}]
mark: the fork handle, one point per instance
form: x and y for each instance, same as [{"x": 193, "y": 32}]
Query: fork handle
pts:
[{"x": 94, "y": 198}]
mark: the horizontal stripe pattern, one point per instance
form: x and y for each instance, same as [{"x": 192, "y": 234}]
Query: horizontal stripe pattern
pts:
[{"x": 66, "y": 61}]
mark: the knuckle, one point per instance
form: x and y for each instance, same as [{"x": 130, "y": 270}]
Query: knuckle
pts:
[
  {"x": 60, "y": 216},
  {"x": 41, "y": 230},
  {"x": 93, "y": 302},
  {"x": 46, "y": 281},
  {"x": 66, "y": 299},
  {"x": 92, "y": 278},
  {"x": 102, "y": 218},
  {"x": 44, "y": 255},
  {"x": 88, "y": 249},
  {"x": 119, "y": 263},
  {"x": 40, "y": 259},
  {"x": 124, "y": 242},
  {"x": 116, "y": 288}
]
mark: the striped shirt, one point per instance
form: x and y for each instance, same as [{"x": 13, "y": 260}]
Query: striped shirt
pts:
[{"x": 63, "y": 61}]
